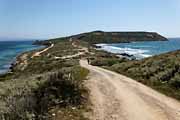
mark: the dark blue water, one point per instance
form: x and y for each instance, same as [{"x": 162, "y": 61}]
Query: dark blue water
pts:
[
  {"x": 10, "y": 49},
  {"x": 143, "y": 49}
]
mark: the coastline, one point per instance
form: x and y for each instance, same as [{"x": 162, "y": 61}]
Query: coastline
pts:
[
  {"x": 16, "y": 60},
  {"x": 129, "y": 53},
  {"x": 44, "y": 71},
  {"x": 36, "y": 78},
  {"x": 141, "y": 50}
]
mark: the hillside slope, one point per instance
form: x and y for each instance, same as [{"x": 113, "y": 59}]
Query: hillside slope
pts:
[
  {"x": 117, "y": 37},
  {"x": 161, "y": 72},
  {"x": 43, "y": 85},
  {"x": 44, "y": 82},
  {"x": 96, "y": 37},
  {"x": 116, "y": 97}
]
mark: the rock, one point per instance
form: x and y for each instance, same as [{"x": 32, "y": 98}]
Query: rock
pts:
[{"x": 128, "y": 56}]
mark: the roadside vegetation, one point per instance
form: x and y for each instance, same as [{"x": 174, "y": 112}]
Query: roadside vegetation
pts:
[
  {"x": 105, "y": 59},
  {"x": 161, "y": 72},
  {"x": 49, "y": 87}
]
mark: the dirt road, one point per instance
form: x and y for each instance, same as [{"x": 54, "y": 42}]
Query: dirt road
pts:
[
  {"x": 82, "y": 51},
  {"x": 116, "y": 97},
  {"x": 40, "y": 52}
]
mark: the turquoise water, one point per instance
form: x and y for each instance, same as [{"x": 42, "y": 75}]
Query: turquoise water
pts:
[
  {"x": 10, "y": 49},
  {"x": 143, "y": 49}
]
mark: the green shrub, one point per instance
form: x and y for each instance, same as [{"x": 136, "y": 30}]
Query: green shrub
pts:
[
  {"x": 60, "y": 91},
  {"x": 79, "y": 73},
  {"x": 20, "y": 104}
]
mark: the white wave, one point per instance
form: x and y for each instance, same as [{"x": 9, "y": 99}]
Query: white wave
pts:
[
  {"x": 145, "y": 55},
  {"x": 6, "y": 66},
  {"x": 101, "y": 44},
  {"x": 139, "y": 53},
  {"x": 2, "y": 71}
]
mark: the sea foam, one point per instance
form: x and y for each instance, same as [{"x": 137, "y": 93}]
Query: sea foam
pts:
[{"x": 138, "y": 53}]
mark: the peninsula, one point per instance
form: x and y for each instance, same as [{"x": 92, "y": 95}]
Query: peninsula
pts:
[{"x": 57, "y": 82}]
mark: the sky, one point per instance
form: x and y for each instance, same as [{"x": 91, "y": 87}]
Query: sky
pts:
[{"x": 43, "y": 19}]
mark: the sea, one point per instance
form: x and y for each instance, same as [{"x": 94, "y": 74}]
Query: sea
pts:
[
  {"x": 142, "y": 50},
  {"x": 9, "y": 50}
]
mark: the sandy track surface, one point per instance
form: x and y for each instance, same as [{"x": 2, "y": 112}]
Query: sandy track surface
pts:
[
  {"x": 116, "y": 97},
  {"x": 40, "y": 52},
  {"x": 82, "y": 51},
  {"x": 70, "y": 56}
]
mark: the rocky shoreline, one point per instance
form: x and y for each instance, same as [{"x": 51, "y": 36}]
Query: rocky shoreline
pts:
[{"x": 20, "y": 59}]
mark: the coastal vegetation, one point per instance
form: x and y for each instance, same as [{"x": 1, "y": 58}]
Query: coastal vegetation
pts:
[
  {"x": 96, "y": 37},
  {"x": 51, "y": 85},
  {"x": 161, "y": 72},
  {"x": 45, "y": 86}
]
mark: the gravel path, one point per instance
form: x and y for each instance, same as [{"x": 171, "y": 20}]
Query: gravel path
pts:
[
  {"x": 116, "y": 97},
  {"x": 40, "y": 52}
]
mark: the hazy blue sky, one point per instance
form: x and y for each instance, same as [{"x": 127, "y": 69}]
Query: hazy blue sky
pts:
[{"x": 55, "y": 18}]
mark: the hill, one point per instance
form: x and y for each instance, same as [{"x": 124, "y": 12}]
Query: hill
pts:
[
  {"x": 46, "y": 81},
  {"x": 96, "y": 37}
]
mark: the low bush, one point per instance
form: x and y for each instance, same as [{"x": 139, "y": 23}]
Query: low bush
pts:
[
  {"x": 61, "y": 90},
  {"x": 161, "y": 72},
  {"x": 20, "y": 103}
]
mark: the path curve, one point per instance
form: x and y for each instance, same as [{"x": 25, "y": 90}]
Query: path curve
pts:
[
  {"x": 42, "y": 51},
  {"x": 116, "y": 97}
]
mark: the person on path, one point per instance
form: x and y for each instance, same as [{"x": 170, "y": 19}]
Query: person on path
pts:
[{"x": 88, "y": 60}]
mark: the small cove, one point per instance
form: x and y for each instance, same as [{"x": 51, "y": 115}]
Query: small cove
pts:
[{"x": 143, "y": 49}]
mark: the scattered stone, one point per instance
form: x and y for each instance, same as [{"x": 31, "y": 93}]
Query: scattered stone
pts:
[{"x": 73, "y": 108}]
